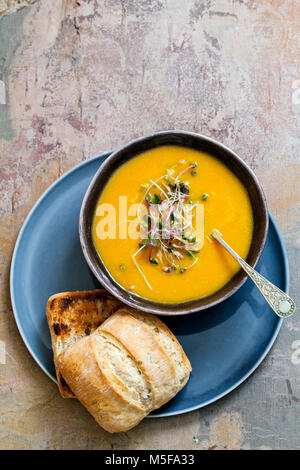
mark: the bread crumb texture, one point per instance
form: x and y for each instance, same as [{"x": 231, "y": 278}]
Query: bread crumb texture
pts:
[{"x": 11, "y": 6}]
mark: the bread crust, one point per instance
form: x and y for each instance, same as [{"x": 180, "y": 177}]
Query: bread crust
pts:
[
  {"x": 72, "y": 316},
  {"x": 161, "y": 328},
  {"x": 143, "y": 345},
  {"x": 111, "y": 370},
  {"x": 100, "y": 395}
]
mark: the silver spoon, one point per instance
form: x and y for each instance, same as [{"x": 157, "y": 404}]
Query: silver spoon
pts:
[{"x": 278, "y": 300}]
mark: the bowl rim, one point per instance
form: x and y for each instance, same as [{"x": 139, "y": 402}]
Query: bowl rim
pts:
[{"x": 145, "y": 304}]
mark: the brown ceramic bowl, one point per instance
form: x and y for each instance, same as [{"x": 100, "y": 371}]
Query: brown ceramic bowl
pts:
[{"x": 197, "y": 142}]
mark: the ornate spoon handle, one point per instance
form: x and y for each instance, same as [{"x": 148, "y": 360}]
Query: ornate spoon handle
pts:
[{"x": 278, "y": 300}]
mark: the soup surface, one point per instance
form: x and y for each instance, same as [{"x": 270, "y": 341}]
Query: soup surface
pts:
[{"x": 179, "y": 263}]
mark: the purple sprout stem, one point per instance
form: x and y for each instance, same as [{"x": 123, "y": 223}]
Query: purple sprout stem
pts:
[
  {"x": 187, "y": 169},
  {"x": 170, "y": 213}
]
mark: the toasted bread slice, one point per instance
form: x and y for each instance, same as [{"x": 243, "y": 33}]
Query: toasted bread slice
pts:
[{"x": 72, "y": 316}]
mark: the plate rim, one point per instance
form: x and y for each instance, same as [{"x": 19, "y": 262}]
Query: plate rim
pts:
[
  {"x": 37, "y": 360},
  {"x": 18, "y": 241}
]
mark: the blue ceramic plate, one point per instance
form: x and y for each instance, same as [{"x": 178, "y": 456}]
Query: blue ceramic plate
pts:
[{"x": 224, "y": 344}]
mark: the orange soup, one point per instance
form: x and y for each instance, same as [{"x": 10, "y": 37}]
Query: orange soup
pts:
[{"x": 162, "y": 255}]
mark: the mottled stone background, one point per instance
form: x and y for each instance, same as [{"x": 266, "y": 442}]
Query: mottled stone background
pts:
[
  {"x": 84, "y": 76},
  {"x": 10, "y": 6}
]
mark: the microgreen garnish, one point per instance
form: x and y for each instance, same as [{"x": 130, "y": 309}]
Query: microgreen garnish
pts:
[
  {"x": 184, "y": 188},
  {"x": 183, "y": 236},
  {"x": 193, "y": 173},
  {"x": 156, "y": 199},
  {"x": 148, "y": 242},
  {"x": 204, "y": 196},
  {"x": 169, "y": 269},
  {"x": 122, "y": 267},
  {"x": 192, "y": 253},
  {"x": 168, "y": 233}
]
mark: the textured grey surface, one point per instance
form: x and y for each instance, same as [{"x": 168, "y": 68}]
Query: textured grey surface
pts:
[
  {"x": 82, "y": 77},
  {"x": 10, "y": 6}
]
